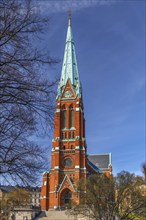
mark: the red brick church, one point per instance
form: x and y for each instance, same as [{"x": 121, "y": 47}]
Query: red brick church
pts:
[{"x": 69, "y": 159}]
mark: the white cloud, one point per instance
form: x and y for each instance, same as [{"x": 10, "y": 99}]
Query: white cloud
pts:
[{"x": 52, "y": 6}]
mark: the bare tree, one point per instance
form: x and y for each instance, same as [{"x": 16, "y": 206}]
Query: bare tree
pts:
[
  {"x": 106, "y": 198},
  {"x": 17, "y": 197},
  {"x": 130, "y": 203},
  {"x": 97, "y": 202},
  {"x": 144, "y": 170},
  {"x": 26, "y": 93}
]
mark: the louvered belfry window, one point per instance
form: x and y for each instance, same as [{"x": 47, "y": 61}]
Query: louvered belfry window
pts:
[
  {"x": 71, "y": 116},
  {"x": 63, "y": 117}
]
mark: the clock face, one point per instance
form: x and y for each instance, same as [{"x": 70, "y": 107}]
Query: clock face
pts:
[
  {"x": 67, "y": 162},
  {"x": 68, "y": 94}
]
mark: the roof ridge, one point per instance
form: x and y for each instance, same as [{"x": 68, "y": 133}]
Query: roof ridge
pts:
[{"x": 98, "y": 154}]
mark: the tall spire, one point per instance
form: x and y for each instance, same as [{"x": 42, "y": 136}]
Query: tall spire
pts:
[{"x": 69, "y": 66}]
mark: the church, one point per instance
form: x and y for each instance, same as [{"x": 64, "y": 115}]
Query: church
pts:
[{"x": 69, "y": 159}]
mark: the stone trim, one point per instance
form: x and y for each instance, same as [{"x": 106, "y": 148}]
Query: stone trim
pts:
[
  {"x": 77, "y": 147},
  {"x": 64, "y": 140},
  {"x": 66, "y": 176}
]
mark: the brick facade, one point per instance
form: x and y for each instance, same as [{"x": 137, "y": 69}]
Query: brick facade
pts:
[{"x": 69, "y": 162}]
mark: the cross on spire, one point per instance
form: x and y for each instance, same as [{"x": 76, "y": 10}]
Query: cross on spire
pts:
[{"x": 69, "y": 17}]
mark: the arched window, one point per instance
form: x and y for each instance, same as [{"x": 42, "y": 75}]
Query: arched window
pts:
[
  {"x": 63, "y": 117},
  {"x": 71, "y": 116}
]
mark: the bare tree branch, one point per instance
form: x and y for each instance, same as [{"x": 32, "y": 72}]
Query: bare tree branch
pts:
[
  {"x": 106, "y": 198},
  {"x": 26, "y": 94}
]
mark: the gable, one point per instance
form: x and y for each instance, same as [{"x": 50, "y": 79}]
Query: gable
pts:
[
  {"x": 68, "y": 92},
  {"x": 66, "y": 183}
]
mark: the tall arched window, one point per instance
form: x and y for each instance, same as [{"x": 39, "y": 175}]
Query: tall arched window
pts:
[
  {"x": 63, "y": 117},
  {"x": 71, "y": 116}
]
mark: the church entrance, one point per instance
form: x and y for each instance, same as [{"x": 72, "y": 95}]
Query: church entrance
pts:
[{"x": 66, "y": 197}]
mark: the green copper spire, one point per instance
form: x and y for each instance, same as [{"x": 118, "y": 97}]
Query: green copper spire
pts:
[{"x": 69, "y": 67}]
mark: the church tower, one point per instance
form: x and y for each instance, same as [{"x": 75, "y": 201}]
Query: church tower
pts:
[{"x": 68, "y": 158}]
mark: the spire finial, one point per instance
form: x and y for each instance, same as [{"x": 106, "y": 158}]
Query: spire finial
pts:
[{"x": 69, "y": 16}]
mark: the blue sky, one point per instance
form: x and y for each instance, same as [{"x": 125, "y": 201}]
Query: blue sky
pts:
[{"x": 110, "y": 47}]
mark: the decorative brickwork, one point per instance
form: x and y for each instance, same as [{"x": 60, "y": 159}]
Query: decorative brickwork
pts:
[{"x": 69, "y": 161}]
